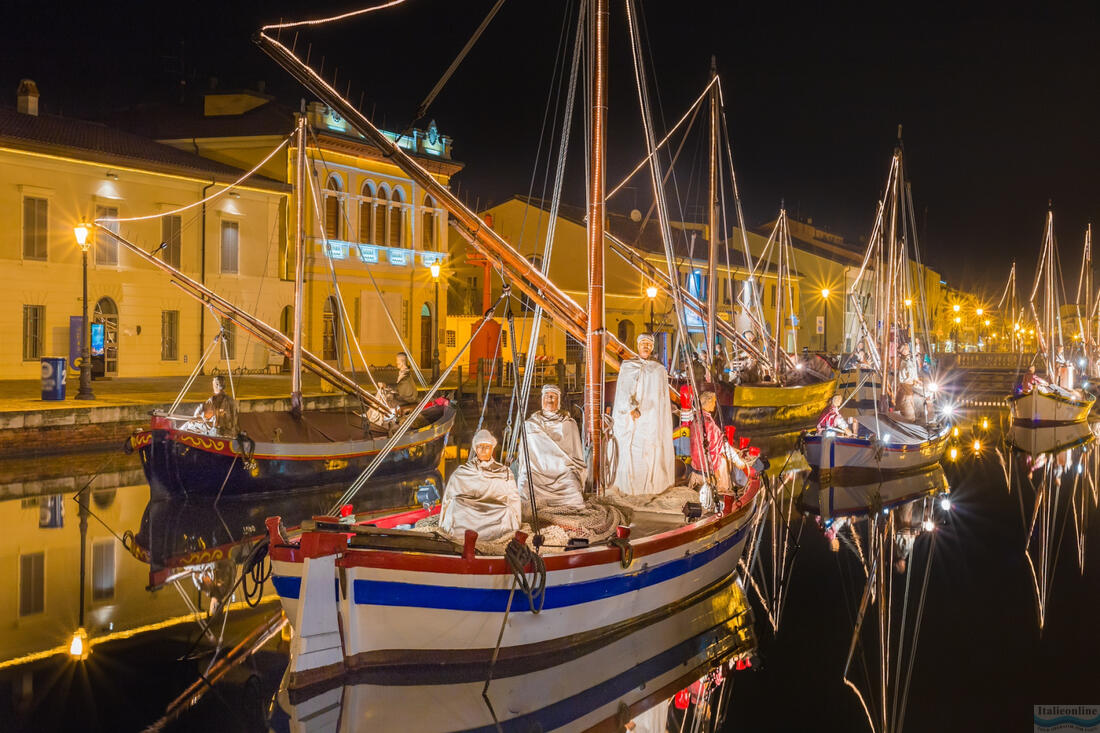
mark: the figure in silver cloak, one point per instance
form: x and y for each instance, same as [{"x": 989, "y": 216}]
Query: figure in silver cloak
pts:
[
  {"x": 552, "y": 448},
  {"x": 481, "y": 495},
  {"x": 642, "y": 426}
]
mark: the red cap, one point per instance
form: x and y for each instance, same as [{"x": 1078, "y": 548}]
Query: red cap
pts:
[
  {"x": 345, "y": 510},
  {"x": 685, "y": 397},
  {"x": 754, "y": 451},
  {"x": 731, "y": 430},
  {"x": 744, "y": 442}
]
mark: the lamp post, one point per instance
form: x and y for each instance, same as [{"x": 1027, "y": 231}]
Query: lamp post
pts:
[
  {"x": 978, "y": 312},
  {"x": 825, "y": 319},
  {"x": 435, "y": 323},
  {"x": 85, "y": 393}
]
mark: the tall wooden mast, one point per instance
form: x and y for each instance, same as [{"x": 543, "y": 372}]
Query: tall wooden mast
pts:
[
  {"x": 299, "y": 264},
  {"x": 712, "y": 213},
  {"x": 594, "y": 373}
]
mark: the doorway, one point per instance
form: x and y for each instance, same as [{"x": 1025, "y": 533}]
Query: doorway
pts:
[
  {"x": 425, "y": 336},
  {"x": 106, "y": 313}
]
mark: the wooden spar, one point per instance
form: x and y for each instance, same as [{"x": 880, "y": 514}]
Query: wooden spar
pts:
[
  {"x": 299, "y": 265},
  {"x": 661, "y": 280},
  {"x": 593, "y": 381},
  {"x": 463, "y": 218},
  {"x": 712, "y": 211},
  {"x": 274, "y": 338},
  {"x": 615, "y": 351}
]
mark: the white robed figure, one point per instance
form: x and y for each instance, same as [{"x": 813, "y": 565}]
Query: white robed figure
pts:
[
  {"x": 642, "y": 424},
  {"x": 552, "y": 447},
  {"x": 481, "y": 495}
]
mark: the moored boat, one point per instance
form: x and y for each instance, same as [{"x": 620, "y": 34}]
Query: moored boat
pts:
[
  {"x": 860, "y": 496},
  {"x": 278, "y": 452},
  {"x": 396, "y": 584},
  {"x": 903, "y": 446},
  {"x": 1050, "y": 404}
]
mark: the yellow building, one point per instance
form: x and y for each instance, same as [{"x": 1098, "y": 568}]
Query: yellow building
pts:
[
  {"x": 382, "y": 229},
  {"x": 56, "y": 172},
  {"x": 524, "y": 222}
]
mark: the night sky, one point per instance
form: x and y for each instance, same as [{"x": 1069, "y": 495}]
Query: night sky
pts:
[{"x": 998, "y": 104}]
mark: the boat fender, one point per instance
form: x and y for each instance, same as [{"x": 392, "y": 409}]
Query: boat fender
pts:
[
  {"x": 128, "y": 445},
  {"x": 626, "y": 550},
  {"x": 248, "y": 450}
]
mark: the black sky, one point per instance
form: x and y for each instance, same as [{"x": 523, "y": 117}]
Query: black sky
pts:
[{"x": 999, "y": 102}]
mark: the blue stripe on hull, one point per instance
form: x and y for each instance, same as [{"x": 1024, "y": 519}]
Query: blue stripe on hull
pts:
[
  {"x": 287, "y": 586},
  {"x": 491, "y": 600}
]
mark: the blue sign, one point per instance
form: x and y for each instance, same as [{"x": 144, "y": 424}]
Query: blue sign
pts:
[
  {"x": 97, "y": 339},
  {"x": 76, "y": 341}
]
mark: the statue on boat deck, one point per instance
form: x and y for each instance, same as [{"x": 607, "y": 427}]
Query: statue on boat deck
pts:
[
  {"x": 481, "y": 495},
  {"x": 552, "y": 450},
  {"x": 642, "y": 427},
  {"x": 404, "y": 389},
  {"x": 217, "y": 415}
]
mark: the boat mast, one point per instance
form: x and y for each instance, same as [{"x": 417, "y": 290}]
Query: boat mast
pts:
[
  {"x": 299, "y": 264},
  {"x": 712, "y": 211},
  {"x": 594, "y": 374},
  {"x": 889, "y": 319}
]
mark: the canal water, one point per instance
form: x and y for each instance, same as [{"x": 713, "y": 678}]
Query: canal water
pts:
[{"x": 151, "y": 568}]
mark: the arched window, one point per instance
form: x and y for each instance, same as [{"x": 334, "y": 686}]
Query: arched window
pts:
[
  {"x": 331, "y": 330},
  {"x": 366, "y": 214},
  {"x": 334, "y": 210},
  {"x": 428, "y": 236},
  {"x": 626, "y": 332},
  {"x": 396, "y": 224},
  {"x": 380, "y": 216}
]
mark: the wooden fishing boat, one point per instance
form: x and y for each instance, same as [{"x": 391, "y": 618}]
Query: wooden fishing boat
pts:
[
  {"x": 1053, "y": 400},
  {"x": 862, "y": 495},
  {"x": 903, "y": 446},
  {"x": 381, "y": 598},
  {"x": 780, "y": 408},
  {"x": 396, "y": 584},
  {"x": 1050, "y": 404},
  {"x": 279, "y": 452},
  {"x": 599, "y": 690}
]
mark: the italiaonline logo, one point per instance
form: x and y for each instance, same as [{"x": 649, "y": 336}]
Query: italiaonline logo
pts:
[{"x": 1067, "y": 718}]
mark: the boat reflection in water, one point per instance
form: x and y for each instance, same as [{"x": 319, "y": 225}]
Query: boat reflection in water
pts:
[
  {"x": 882, "y": 525},
  {"x": 650, "y": 676},
  {"x": 1053, "y": 472},
  {"x": 209, "y": 541}
]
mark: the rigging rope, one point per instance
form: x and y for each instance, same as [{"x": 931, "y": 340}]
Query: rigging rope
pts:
[{"x": 200, "y": 202}]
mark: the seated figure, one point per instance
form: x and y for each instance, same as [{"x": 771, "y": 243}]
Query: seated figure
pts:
[
  {"x": 481, "y": 495},
  {"x": 551, "y": 448},
  {"x": 831, "y": 419},
  {"x": 217, "y": 415}
]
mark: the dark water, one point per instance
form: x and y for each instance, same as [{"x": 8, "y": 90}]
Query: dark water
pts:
[{"x": 981, "y": 662}]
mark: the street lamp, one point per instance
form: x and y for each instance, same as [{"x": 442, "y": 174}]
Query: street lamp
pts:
[
  {"x": 825, "y": 319},
  {"x": 435, "y": 323},
  {"x": 85, "y": 393}
]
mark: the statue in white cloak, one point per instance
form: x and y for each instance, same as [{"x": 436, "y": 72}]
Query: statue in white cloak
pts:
[
  {"x": 551, "y": 448},
  {"x": 642, "y": 424},
  {"x": 481, "y": 495}
]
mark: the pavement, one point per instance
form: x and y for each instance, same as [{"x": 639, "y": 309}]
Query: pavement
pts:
[{"x": 26, "y": 394}]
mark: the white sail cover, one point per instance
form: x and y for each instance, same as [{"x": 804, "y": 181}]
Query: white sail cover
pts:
[
  {"x": 553, "y": 449},
  {"x": 482, "y": 496},
  {"x": 646, "y": 462}
]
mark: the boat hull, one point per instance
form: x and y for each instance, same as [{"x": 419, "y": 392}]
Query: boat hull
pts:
[
  {"x": 1049, "y": 408},
  {"x": 182, "y": 463},
  {"x": 435, "y": 618},
  {"x": 773, "y": 409},
  {"x": 637, "y": 672},
  {"x": 827, "y": 451}
]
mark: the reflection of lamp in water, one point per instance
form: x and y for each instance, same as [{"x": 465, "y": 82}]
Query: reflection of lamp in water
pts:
[{"x": 78, "y": 647}]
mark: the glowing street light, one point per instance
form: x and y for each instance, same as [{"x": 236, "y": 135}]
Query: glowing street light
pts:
[
  {"x": 81, "y": 231},
  {"x": 79, "y": 649},
  {"x": 435, "y": 270},
  {"x": 825, "y": 319},
  {"x": 979, "y": 311},
  {"x": 956, "y": 307}
]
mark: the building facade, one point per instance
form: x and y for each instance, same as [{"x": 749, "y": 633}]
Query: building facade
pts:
[{"x": 56, "y": 173}]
